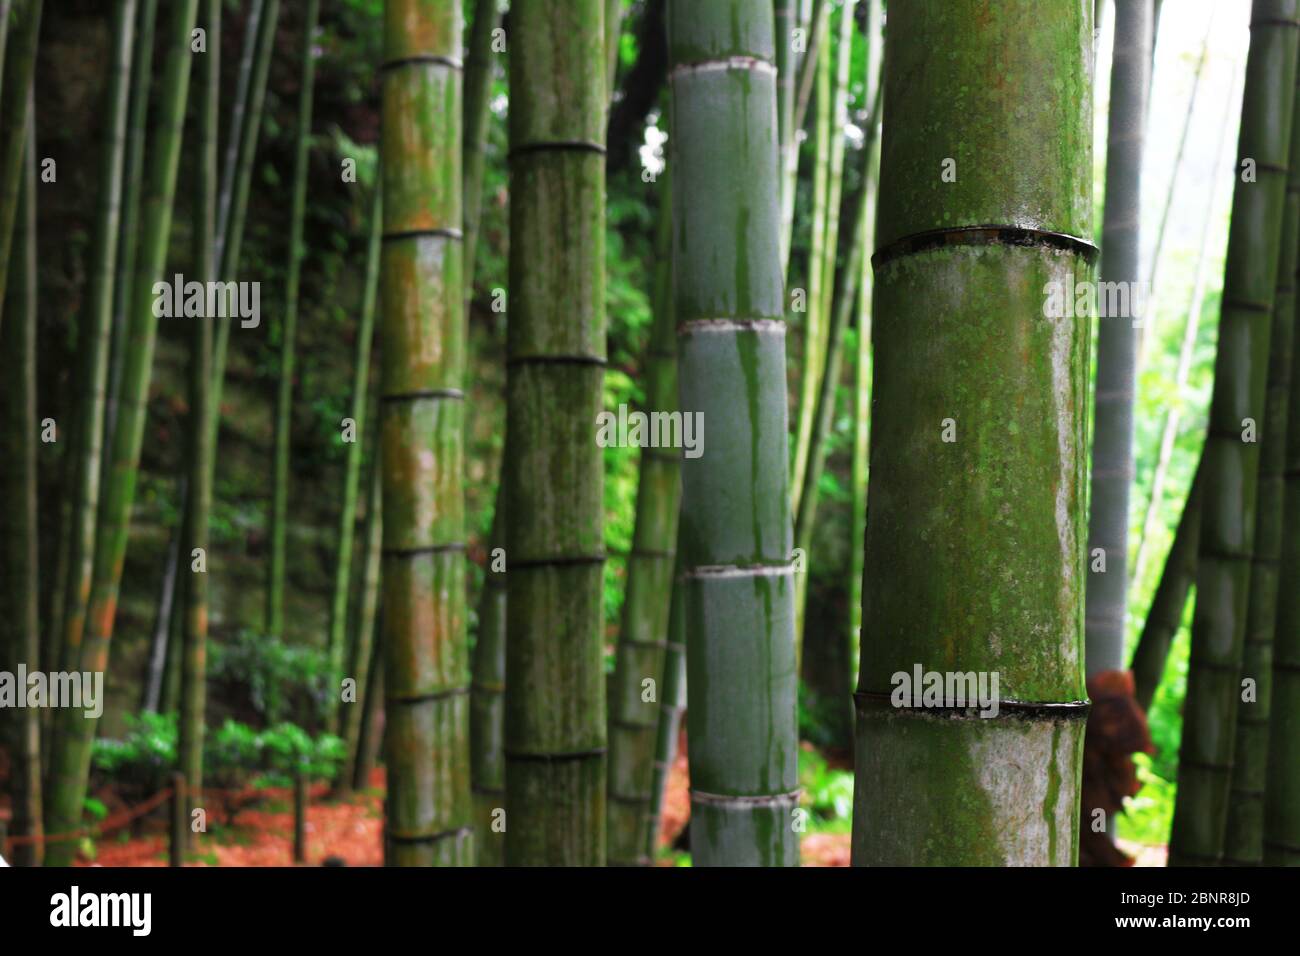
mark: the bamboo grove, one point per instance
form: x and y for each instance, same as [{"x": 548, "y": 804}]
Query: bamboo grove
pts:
[{"x": 472, "y": 405}]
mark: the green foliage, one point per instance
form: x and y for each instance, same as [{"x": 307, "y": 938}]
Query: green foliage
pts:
[
  {"x": 827, "y": 793},
  {"x": 276, "y": 678},
  {"x": 234, "y": 755}
]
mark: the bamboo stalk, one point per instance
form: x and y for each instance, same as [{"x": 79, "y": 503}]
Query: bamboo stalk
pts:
[
  {"x": 15, "y": 88},
  {"x": 973, "y": 557},
  {"x": 1243, "y": 843},
  {"x": 429, "y": 812},
  {"x": 639, "y": 656},
  {"x": 670, "y": 711},
  {"x": 73, "y": 731},
  {"x": 189, "y": 748},
  {"x": 129, "y": 221},
  {"x": 736, "y": 532},
  {"x": 488, "y": 666},
  {"x": 1165, "y": 615},
  {"x": 1191, "y": 329},
  {"x": 95, "y": 333},
  {"x": 555, "y": 711},
  {"x": 288, "y": 333},
  {"x": 19, "y": 532},
  {"x": 1112, "y": 447},
  {"x": 1230, "y": 463},
  {"x": 364, "y": 617},
  {"x": 814, "y": 317},
  {"x": 352, "y": 465}
]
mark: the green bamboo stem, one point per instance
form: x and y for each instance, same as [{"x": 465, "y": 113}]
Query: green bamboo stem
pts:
[
  {"x": 671, "y": 708},
  {"x": 1165, "y": 615},
  {"x": 861, "y": 212},
  {"x": 1282, "y": 790},
  {"x": 288, "y": 333},
  {"x": 368, "y": 737},
  {"x": 814, "y": 317},
  {"x": 1231, "y": 464},
  {"x": 15, "y": 88},
  {"x": 360, "y": 651},
  {"x": 352, "y": 465},
  {"x": 429, "y": 811},
  {"x": 1243, "y": 840},
  {"x": 784, "y": 16},
  {"x": 189, "y": 748},
  {"x": 231, "y": 239},
  {"x": 835, "y": 181},
  {"x": 818, "y": 24},
  {"x": 555, "y": 711},
  {"x": 478, "y": 94},
  {"x": 1191, "y": 329},
  {"x": 1112, "y": 447},
  {"x": 1162, "y": 230},
  {"x": 95, "y": 333},
  {"x": 4, "y": 35},
  {"x": 1243, "y": 843},
  {"x": 73, "y": 731},
  {"x": 488, "y": 666},
  {"x": 129, "y": 220},
  {"x": 862, "y": 368},
  {"x": 238, "y": 107},
  {"x": 613, "y": 34},
  {"x": 979, "y": 403},
  {"x": 20, "y": 728},
  {"x": 735, "y": 531},
  {"x": 634, "y": 713},
  {"x": 487, "y": 701}
]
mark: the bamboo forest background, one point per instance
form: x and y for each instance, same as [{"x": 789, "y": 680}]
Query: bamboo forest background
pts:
[{"x": 285, "y": 617}]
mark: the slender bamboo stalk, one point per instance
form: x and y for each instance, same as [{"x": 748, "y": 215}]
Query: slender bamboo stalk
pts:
[
  {"x": 487, "y": 700},
  {"x": 95, "y": 333},
  {"x": 1191, "y": 329},
  {"x": 19, "y": 587},
  {"x": 818, "y": 24},
  {"x": 231, "y": 239},
  {"x": 488, "y": 667},
  {"x": 634, "y": 705},
  {"x": 4, "y": 35},
  {"x": 815, "y": 317},
  {"x": 360, "y": 653},
  {"x": 352, "y": 465},
  {"x": 429, "y": 811},
  {"x": 1244, "y": 836},
  {"x": 1112, "y": 447},
  {"x": 1231, "y": 463},
  {"x": 189, "y": 749},
  {"x": 369, "y": 736},
  {"x": 288, "y": 333},
  {"x": 1165, "y": 615},
  {"x": 861, "y": 211},
  {"x": 613, "y": 33},
  {"x": 19, "y": 67},
  {"x": 555, "y": 711},
  {"x": 70, "y": 758},
  {"x": 478, "y": 94},
  {"x": 129, "y": 220},
  {"x": 979, "y": 399},
  {"x": 1162, "y": 230},
  {"x": 862, "y": 378},
  {"x": 736, "y": 533},
  {"x": 238, "y": 108},
  {"x": 670, "y": 711},
  {"x": 1282, "y": 790},
  {"x": 783, "y": 33}
]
